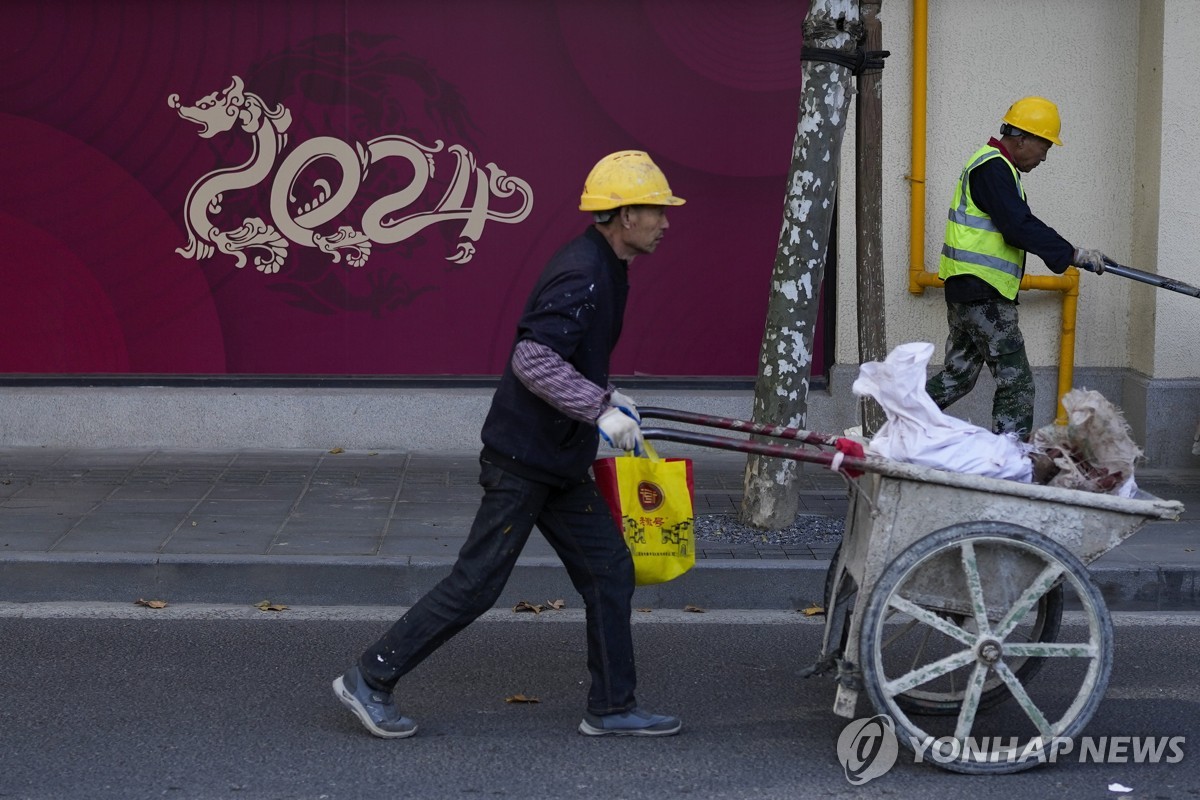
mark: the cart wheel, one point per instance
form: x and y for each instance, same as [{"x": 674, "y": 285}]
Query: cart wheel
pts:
[
  {"x": 933, "y": 625},
  {"x": 1041, "y": 626},
  {"x": 846, "y": 593}
]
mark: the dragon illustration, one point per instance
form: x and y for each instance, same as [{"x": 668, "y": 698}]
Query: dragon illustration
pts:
[{"x": 218, "y": 113}]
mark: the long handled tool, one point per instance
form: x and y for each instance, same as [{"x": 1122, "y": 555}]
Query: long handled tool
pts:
[{"x": 1150, "y": 278}]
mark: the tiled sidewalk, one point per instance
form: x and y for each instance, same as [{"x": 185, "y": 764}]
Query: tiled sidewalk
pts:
[
  {"x": 322, "y": 528},
  {"x": 312, "y": 503}
]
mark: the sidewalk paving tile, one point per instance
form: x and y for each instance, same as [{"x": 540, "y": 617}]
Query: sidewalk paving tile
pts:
[{"x": 391, "y": 504}]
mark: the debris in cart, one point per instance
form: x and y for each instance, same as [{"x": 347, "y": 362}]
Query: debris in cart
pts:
[{"x": 1093, "y": 452}]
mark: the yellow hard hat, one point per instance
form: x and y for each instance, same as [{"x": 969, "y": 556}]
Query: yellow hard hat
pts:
[
  {"x": 1035, "y": 115},
  {"x": 627, "y": 178}
]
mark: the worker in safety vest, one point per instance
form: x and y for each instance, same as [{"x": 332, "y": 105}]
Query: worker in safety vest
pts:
[{"x": 989, "y": 230}]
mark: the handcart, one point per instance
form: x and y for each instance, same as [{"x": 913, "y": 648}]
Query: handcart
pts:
[{"x": 945, "y": 599}]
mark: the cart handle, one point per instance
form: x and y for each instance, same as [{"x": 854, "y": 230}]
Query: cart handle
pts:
[
  {"x": 836, "y": 461},
  {"x": 728, "y": 423}
]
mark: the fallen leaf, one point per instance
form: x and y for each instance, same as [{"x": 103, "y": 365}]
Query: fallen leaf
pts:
[
  {"x": 694, "y": 609},
  {"x": 1116, "y": 787},
  {"x": 524, "y": 606},
  {"x": 557, "y": 605},
  {"x": 267, "y": 605},
  {"x": 336, "y": 450},
  {"x": 150, "y": 603},
  {"x": 520, "y": 698},
  {"x": 645, "y": 610},
  {"x": 812, "y": 611}
]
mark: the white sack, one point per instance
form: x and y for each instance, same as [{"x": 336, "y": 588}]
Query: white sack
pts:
[{"x": 917, "y": 432}]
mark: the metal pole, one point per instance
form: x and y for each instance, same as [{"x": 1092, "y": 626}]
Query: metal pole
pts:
[{"x": 1150, "y": 278}]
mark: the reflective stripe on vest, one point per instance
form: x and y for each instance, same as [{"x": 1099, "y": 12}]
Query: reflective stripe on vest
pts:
[{"x": 973, "y": 245}]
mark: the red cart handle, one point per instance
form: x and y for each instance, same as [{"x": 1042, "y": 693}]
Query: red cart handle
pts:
[
  {"x": 848, "y": 458},
  {"x": 742, "y": 425}
]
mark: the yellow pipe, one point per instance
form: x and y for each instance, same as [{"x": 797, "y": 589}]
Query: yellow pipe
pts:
[
  {"x": 918, "y": 277},
  {"x": 1066, "y": 348},
  {"x": 916, "y": 170}
]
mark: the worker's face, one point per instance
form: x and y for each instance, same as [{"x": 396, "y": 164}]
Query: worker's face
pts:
[
  {"x": 1029, "y": 151},
  {"x": 643, "y": 227}
]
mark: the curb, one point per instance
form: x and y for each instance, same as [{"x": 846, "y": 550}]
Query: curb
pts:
[
  {"x": 354, "y": 581},
  {"x": 752, "y": 584},
  {"x": 1150, "y": 588}
]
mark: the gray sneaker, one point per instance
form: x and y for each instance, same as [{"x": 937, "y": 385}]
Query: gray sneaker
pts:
[
  {"x": 376, "y": 710},
  {"x": 634, "y": 722}
]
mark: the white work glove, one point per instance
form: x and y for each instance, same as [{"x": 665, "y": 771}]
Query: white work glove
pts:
[
  {"x": 1091, "y": 260},
  {"x": 620, "y": 430},
  {"x": 625, "y": 403}
]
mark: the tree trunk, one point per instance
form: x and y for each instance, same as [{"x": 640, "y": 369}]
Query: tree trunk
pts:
[
  {"x": 770, "y": 500},
  {"x": 868, "y": 179}
]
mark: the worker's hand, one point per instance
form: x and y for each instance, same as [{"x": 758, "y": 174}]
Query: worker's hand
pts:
[
  {"x": 625, "y": 403},
  {"x": 620, "y": 430},
  {"x": 1092, "y": 260}
]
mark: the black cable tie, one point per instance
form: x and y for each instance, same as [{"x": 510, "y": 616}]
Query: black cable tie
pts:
[{"x": 857, "y": 60}]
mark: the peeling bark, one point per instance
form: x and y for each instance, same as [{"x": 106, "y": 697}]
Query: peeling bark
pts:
[{"x": 770, "y": 500}]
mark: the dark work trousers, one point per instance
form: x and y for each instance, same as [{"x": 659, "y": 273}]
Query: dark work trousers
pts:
[
  {"x": 987, "y": 333},
  {"x": 577, "y": 523}
]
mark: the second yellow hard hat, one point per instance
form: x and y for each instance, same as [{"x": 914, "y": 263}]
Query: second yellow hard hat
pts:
[{"x": 1036, "y": 115}]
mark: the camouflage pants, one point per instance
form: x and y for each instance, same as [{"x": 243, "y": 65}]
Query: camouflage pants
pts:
[{"x": 987, "y": 333}]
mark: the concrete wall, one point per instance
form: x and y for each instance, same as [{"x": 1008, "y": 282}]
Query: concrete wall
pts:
[
  {"x": 398, "y": 418},
  {"x": 410, "y": 419},
  {"x": 1175, "y": 330},
  {"x": 1123, "y": 76},
  {"x": 978, "y": 64}
]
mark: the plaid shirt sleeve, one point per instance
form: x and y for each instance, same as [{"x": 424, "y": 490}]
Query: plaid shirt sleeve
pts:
[{"x": 548, "y": 376}]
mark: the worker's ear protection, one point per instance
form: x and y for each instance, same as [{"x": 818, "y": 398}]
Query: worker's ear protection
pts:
[{"x": 1009, "y": 130}]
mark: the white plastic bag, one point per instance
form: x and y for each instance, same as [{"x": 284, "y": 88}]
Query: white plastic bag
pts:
[{"x": 917, "y": 432}]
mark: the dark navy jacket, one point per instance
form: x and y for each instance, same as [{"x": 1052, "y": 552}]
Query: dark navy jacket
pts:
[{"x": 576, "y": 309}]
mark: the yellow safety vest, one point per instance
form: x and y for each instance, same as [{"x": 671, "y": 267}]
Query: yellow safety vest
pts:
[{"x": 973, "y": 246}]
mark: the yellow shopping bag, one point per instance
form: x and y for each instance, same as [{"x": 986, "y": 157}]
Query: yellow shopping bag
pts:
[{"x": 651, "y": 500}]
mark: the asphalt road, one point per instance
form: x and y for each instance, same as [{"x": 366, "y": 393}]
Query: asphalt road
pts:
[{"x": 101, "y": 702}]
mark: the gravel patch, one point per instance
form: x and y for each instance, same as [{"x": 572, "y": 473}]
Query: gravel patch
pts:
[{"x": 807, "y": 529}]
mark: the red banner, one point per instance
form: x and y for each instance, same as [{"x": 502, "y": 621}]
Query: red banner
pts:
[{"x": 371, "y": 188}]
